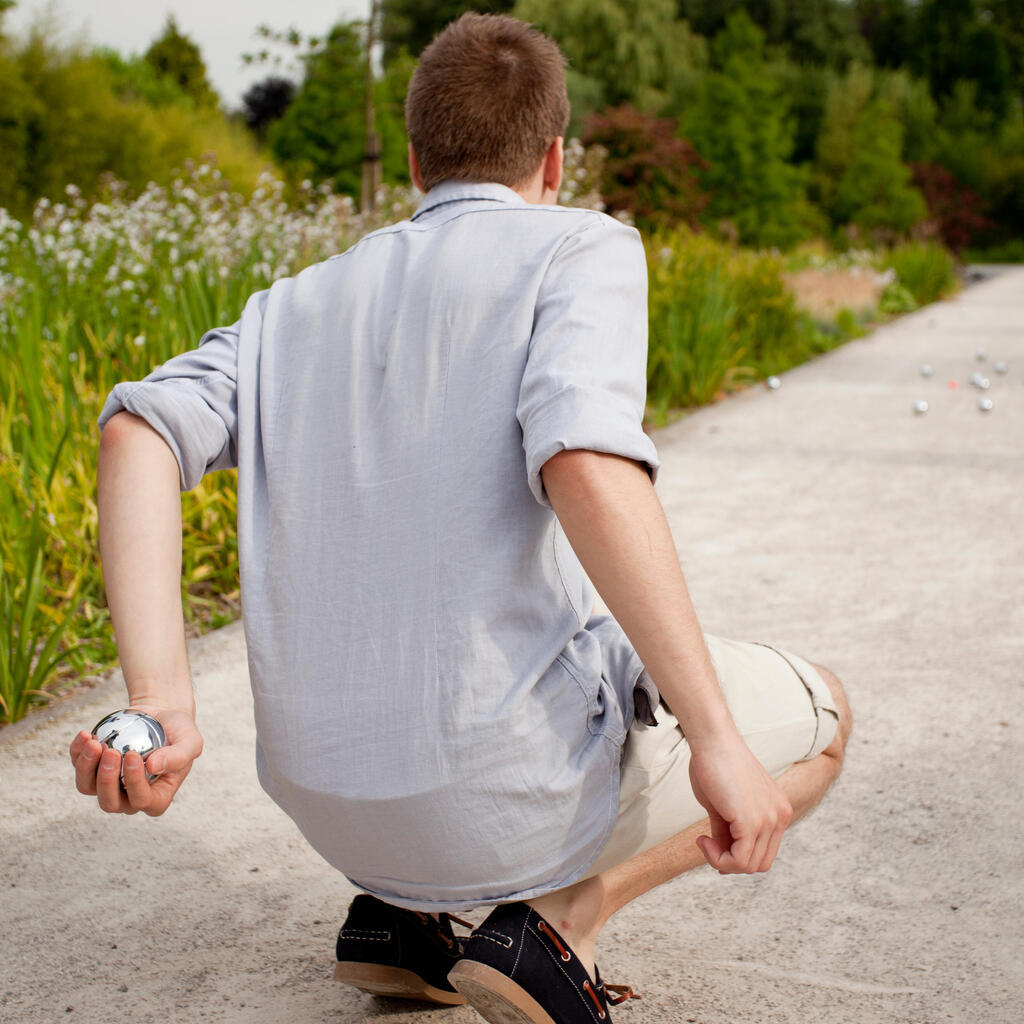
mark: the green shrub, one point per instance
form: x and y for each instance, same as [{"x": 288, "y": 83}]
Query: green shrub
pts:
[
  {"x": 896, "y": 299},
  {"x": 722, "y": 318},
  {"x": 67, "y": 116},
  {"x": 925, "y": 269},
  {"x": 1008, "y": 252}
]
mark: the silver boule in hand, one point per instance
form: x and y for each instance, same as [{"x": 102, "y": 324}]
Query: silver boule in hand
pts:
[{"x": 130, "y": 730}]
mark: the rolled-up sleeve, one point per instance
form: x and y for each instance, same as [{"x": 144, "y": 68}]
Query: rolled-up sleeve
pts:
[
  {"x": 585, "y": 383},
  {"x": 191, "y": 401}
]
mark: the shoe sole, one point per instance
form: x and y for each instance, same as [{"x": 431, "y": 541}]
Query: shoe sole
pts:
[
  {"x": 495, "y": 996},
  {"x": 396, "y": 982}
]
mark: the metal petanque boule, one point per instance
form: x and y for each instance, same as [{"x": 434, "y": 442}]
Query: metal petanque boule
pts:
[
  {"x": 130, "y": 730},
  {"x": 927, "y": 370},
  {"x": 985, "y": 404},
  {"x": 920, "y": 407},
  {"x": 1000, "y": 367},
  {"x": 772, "y": 383}
]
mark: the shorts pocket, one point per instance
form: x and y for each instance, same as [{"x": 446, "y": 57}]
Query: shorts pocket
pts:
[{"x": 650, "y": 748}]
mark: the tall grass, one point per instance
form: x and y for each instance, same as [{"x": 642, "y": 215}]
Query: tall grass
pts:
[
  {"x": 925, "y": 269},
  {"x": 720, "y": 318}
]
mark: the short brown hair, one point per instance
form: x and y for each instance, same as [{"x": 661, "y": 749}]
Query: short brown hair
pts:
[{"x": 486, "y": 101}]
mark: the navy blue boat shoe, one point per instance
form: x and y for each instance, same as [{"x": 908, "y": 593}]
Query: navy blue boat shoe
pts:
[
  {"x": 516, "y": 969},
  {"x": 388, "y": 951}
]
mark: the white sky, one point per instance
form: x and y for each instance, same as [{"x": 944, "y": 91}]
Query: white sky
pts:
[{"x": 223, "y": 29}]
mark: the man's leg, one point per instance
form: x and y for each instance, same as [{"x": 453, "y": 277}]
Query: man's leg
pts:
[{"x": 580, "y": 911}]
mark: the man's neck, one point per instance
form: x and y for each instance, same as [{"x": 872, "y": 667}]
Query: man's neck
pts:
[{"x": 536, "y": 192}]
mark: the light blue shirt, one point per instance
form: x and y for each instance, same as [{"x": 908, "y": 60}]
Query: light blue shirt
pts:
[{"x": 436, "y": 707}]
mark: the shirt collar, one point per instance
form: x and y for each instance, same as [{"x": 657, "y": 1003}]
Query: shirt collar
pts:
[{"x": 458, "y": 191}]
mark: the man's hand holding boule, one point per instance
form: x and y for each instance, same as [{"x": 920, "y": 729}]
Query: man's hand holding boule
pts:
[{"x": 98, "y": 768}]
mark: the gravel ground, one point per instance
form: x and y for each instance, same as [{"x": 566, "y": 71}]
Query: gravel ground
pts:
[{"x": 825, "y": 517}]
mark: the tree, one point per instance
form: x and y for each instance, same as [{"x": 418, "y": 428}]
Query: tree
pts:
[
  {"x": 320, "y": 136},
  {"x": 19, "y": 110},
  {"x": 911, "y": 101},
  {"x": 957, "y": 211},
  {"x": 874, "y": 191},
  {"x": 808, "y": 31},
  {"x": 803, "y": 89},
  {"x": 954, "y": 44},
  {"x": 637, "y": 51},
  {"x": 708, "y": 17},
  {"x": 177, "y": 57},
  {"x": 846, "y": 99},
  {"x": 1008, "y": 17},
  {"x": 649, "y": 170},
  {"x": 861, "y": 176},
  {"x": 411, "y": 24},
  {"x": 739, "y": 127},
  {"x": 134, "y": 78},
  {"x": 266, "y": 101},
  {"x": 823, "y": 32},
  {"x": 984, "y": 59},
  {"x": 889, "y": 28},
  {"x": 389, "y": 98}
]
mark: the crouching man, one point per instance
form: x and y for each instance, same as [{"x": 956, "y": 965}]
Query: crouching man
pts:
[{"x": 440, "y": 456}]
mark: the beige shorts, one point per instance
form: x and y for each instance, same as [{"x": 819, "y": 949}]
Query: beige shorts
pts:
[{"x": 783, "y": 709}]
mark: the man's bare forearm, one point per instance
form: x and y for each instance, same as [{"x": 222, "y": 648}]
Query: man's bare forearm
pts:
[
  {"x": 139, "y": 504},
  {"x": 616, "y": 526}
]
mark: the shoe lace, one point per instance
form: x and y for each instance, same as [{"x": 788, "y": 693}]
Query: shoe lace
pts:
[
  {"x": 622, "y": 993},
  {"x": 448, "y": 940}
]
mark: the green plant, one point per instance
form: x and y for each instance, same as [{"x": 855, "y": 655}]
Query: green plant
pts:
[
  {"x": 721, "y": 318},
  {"x": 925, "y": 269},
  {"x": 896, "y": 299},
  {"x": 1007, "y": 252},
  {"x": 713, "y": 312},
  {"x": 31, "y": 630}
]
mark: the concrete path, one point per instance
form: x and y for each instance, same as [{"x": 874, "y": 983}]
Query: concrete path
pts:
[{"x": 826, "y": 517}]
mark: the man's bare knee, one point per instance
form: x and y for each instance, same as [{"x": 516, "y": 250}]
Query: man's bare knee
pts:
[{"x": 838, "y": 745}]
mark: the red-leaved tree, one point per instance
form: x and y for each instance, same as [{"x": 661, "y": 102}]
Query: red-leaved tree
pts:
[
  {"x": 955, "y": 210},
  {"x": 650, "y": 171}
]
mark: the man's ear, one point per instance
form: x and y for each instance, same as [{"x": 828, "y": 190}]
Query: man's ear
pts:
[
  {"x": 414, "y": 169},
  {"x": 554, "y": 160}
]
